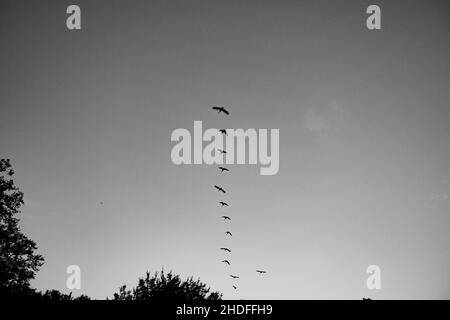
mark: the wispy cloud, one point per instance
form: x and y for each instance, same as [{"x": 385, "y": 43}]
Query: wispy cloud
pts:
[
  {"x": 439, "y": 197},
  {"x": 314, "y": 122},
  {"x": 321, "y": 119}
]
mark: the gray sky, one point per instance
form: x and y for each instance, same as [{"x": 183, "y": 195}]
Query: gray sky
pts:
[{"x": 364, "y": 123}]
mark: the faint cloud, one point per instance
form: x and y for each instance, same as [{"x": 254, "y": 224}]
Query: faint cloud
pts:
[
  {"x": 336, "y": 107},
  {"x": 314, "y": 122},
  {"x": 322, "y": 119},
  {"x": 439, "y": 197}
]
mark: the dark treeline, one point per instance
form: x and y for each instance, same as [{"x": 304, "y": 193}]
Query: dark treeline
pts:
[{"x": 19, "y": 262}]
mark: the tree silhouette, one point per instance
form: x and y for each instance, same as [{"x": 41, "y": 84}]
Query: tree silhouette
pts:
[
  {"x": 18, "y": 262},
  {"x": 55, "y": 295},
  {"x": 168, "y": 286}
]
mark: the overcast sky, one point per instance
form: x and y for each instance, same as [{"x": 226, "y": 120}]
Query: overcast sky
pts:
[{"x": 364, "y": 120}]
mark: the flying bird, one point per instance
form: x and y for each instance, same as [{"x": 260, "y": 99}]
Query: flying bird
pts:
[
  {"x": 226, "y": 218},
  {"x": 224, "y": 131},
  {"x": 234, "y": 287},
  {"x": 261, "y": 271},
  {"x": 228, "y": 233},
  {"x": 224, "y": 203},
  {"x": 222, "y": 169},
  {"x": 225, "y": 249},
  {"x": 222, "y": 151},
  {"x": 221, "y": 109},
  {"x": 226, "y": 261},
  {"x": 219, "y": 189},
  {"x": 234, "y": 277}
]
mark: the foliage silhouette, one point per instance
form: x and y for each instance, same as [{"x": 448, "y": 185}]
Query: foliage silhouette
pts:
[
  {"x": 162, "y": 286},
  {"x": 55, "y": 295},
  {"x": 18, "y": 262}
]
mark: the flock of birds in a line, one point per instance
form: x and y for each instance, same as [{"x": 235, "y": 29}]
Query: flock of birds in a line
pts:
[{"x": 223, "y": 203}]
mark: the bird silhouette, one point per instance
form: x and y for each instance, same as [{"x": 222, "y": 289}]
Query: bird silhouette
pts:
[
  {"x": 228, "y": 233},
  {"x": 234, "y": 287},
  {"x": 226, "y": 261},
  {"x": 222, "y": 169},
  {"x": 226, "y": 218},
  {"x": 261, "y": 271},
  {"x": 224, "y": 131},
  {"x": 225, "y": 249},
  {"x": 234, "y": 277},
  {"x": 224, "y": 203},
  {"x": 219, "y": 189},
  {"x": 221, "y": 109},
  {"x": 222, "y": 151}
]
